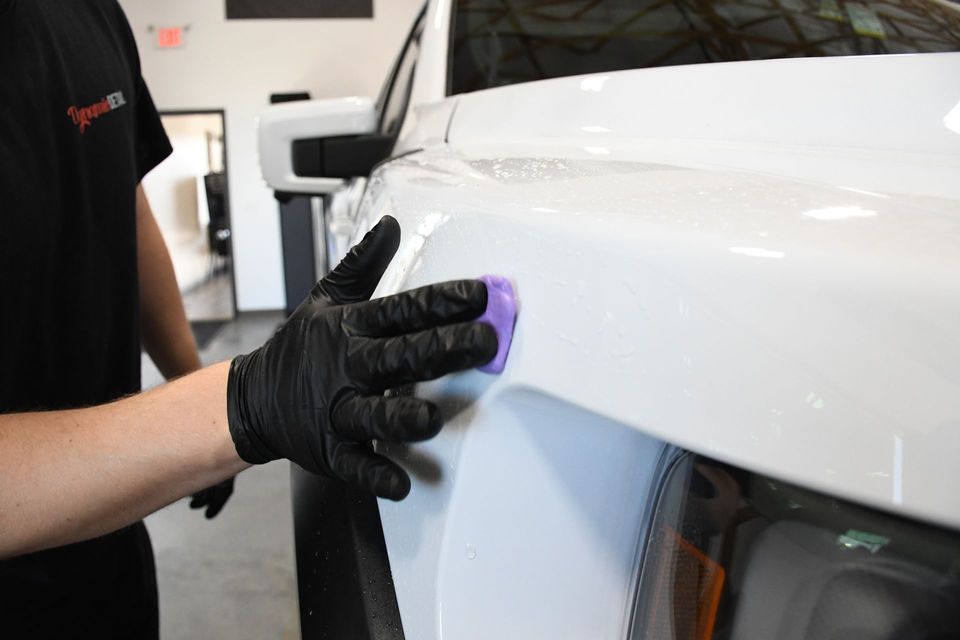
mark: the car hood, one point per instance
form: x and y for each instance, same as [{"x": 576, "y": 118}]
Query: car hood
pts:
[{"x": 886, "y": 123}]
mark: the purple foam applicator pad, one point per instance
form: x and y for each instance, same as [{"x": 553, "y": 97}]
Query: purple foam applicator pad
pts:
[{"x": 501, "y": 314}]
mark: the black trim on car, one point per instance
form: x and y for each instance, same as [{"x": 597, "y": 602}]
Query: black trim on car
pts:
[
  {"x": 341, "y": 157},
  {"x": 343, "y": 573},
  {"x": 669, "y": 458},
  {"x": 451, "y": 43}
]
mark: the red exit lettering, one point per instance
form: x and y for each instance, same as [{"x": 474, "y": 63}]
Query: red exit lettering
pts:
[{"x": 170, "y": 37}]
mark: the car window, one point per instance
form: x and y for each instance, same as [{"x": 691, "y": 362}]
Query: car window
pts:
[
  {"x": 395, "y": 96},
  {"x": 733, "y": 555},
  {"x": 502, "y": 42}
]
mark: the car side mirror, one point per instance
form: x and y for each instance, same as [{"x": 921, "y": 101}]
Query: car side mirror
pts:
[{"x": 312, "y": 146}]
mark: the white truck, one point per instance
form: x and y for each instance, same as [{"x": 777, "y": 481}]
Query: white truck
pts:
[{"x": 732, "y": 405}]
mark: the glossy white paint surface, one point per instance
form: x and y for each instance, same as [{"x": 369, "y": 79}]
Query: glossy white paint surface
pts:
[
  {"x": 426, "y": 126},
  {"x": 869, "y": 122},
  {"x": 796, "y": 329},
  {"x": 341, "y": 220},
  {"x": 525, "y": 518},
  {"x": 281, "y": 124}
]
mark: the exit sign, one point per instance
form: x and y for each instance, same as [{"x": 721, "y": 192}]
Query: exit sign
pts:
[{"x": 169, "y": 37}]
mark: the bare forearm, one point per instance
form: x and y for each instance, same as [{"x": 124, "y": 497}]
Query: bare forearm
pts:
[
  {"x": 166, "y": 332},
  {"x": 305, "y": 395},
  {"x": 74, "y": 475}
]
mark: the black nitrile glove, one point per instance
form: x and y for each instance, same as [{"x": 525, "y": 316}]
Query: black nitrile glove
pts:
[
  {"x": 314, "y": 392},
  {"x": 213, "y": 498}
]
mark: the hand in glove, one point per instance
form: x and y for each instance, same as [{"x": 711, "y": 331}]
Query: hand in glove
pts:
[
  {"x": 314, "y": 392},
  {"x": 213, "y": 498}
]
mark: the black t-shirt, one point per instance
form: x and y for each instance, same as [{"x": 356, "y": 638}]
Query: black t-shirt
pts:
[{"x": 78, "y": 131}]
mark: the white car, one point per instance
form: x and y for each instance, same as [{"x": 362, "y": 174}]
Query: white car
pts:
[{"x": 732, "y": 404}]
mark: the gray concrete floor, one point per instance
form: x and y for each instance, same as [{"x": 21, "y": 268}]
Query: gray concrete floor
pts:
[
  {"x": 210, "y": 300},
  {"x": 232, "y": 577}
]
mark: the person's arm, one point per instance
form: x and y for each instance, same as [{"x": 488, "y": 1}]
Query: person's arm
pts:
[
  {"x": 73, "y": 475},
  {"x": 313, "y": 394},
  {"x": 166, "y": 333}
]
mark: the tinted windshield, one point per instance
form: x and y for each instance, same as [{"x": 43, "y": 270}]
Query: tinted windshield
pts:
[{"x": 501, "y": 42}]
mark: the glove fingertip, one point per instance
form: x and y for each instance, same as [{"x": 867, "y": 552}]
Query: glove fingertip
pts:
[
  {"x": 390, "y": 482},
  {"x": 433, "y": 420},
  {"x": 376, "y": 250},
  {"x": 476, "y": 294},
  {"x": 483, "y": 342},
  {"x": 389, "y": 229},
  {"x": 426, "y": 421},
  {"x": 357, "y": 275},
  {"x": 383, "y": 238}
]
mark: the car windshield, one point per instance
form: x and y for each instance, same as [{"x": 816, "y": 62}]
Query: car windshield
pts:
[{"x": 502, "y": 42}]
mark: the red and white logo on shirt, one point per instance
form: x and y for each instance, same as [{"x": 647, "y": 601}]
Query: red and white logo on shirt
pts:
[{"x": 83, "y": 117}]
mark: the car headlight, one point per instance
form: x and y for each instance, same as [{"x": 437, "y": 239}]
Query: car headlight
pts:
[{"x": 739, "y": 556}]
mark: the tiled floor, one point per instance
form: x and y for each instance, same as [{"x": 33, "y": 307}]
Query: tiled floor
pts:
[{"x": 231, "y": 577}]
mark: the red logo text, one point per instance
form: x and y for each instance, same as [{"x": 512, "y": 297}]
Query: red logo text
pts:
[{"x": 83, "y": 117}]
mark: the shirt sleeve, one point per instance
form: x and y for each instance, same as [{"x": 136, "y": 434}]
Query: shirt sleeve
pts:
[
  {"x": 151, "y": 144},
  {"x": 151, "y": 141}
]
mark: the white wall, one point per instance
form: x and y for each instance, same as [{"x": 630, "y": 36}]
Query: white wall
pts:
[{"x": 235, "y": 65}]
